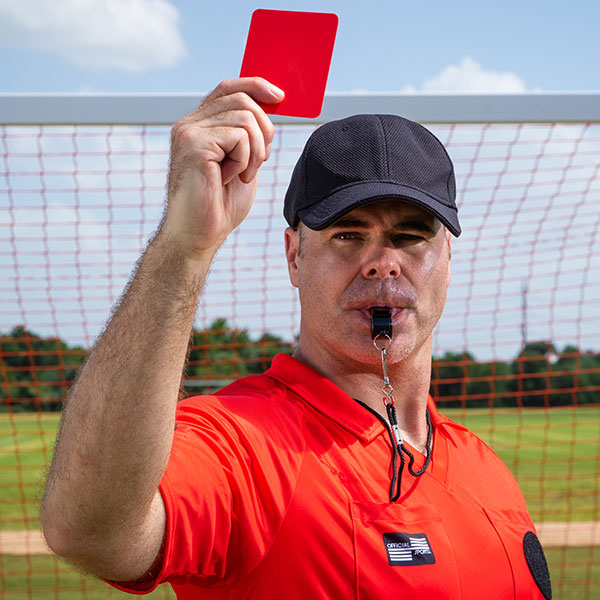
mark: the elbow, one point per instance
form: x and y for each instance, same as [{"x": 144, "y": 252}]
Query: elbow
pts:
[
  {"x": 70, "y": 544},
  {"x": 61, "y": 534},
  {"x": 54, "y": 532},
  {"x": 94, "y": 551}
]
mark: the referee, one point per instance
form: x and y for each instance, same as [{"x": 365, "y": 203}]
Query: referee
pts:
[{"x": 298, "y": 483}]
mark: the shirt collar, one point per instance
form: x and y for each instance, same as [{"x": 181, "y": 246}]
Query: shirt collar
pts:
[{"x": 325, "y": 397}]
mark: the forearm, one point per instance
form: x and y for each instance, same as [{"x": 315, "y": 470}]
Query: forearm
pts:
[
  {"x": 102, "y": 509},
  {"x": 117, "y": 427}
]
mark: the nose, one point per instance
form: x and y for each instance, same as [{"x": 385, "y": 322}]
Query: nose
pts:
[{"x": 382, "y": 263}]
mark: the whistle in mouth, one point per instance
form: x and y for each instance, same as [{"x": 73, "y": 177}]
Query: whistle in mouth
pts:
[{"x": 381, "y": 322}]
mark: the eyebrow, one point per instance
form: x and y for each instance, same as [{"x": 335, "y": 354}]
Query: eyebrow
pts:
[{"x": 413, "y": 224}]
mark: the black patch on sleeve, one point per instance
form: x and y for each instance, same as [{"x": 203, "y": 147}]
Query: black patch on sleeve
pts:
[{"x": 536, "y": 561}]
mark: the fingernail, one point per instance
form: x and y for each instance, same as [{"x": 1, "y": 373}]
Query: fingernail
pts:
[{"x": 276, "y": 92}]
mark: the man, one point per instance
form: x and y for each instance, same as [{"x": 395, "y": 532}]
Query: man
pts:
[{"x": 292, "y": 484}]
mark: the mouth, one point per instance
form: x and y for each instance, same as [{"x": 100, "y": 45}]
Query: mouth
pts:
[{"x": 398, "y": 313}]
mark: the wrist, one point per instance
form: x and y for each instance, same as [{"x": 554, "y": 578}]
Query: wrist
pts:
[{"x": 166, "y": 245}]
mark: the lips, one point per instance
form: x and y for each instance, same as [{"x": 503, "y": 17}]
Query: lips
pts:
[
  {"x": 369, "y": 311},
  {"x": 398, "y": 313}
]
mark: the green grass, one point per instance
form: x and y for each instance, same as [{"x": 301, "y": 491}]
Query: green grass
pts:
[
  {"x": 574, "y": 572},
  {"x": 554, "y": 454},
  {"x": 47, "y": 578},
  {"x": 26, "y": 443}
]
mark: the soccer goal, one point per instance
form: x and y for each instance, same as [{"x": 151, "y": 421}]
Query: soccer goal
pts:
[{"x": 516, "y": 354}]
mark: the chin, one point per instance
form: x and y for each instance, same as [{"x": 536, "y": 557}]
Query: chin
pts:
[{"x": 361, "y": 349}]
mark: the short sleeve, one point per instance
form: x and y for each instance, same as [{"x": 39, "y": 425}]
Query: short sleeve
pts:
[{"x": 230, "y": 477}]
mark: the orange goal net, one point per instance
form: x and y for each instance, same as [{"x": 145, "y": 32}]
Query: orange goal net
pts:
[{"x": 516, "y": 354}]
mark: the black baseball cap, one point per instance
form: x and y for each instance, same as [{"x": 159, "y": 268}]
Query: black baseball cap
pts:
[{"x": 364, "y": 159}]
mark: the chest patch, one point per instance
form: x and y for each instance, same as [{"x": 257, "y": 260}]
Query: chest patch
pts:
[{"x": 408, "y": 549}]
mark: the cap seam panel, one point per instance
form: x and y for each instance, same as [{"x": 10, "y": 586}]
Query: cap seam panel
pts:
[
  {"x": 451, "y": 174},
  {"x": 303, "y": 158},
  {"x": 385, "y": 142}
]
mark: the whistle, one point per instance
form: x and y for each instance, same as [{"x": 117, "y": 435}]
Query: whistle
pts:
[{"x": 381, "y": 322}]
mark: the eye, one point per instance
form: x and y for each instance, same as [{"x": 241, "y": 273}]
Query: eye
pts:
[
  {"x": 407, "y": 237},
  {"x": 347, "y": 236}
]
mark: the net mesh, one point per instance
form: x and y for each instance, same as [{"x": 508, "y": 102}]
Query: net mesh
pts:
[{"x": 516, "y": 354}]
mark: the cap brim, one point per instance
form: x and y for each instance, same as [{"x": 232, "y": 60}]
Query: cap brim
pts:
[{"x": 325, "y": 212}]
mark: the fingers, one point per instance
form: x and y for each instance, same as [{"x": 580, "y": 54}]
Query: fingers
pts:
[
  {"x": 243, "y": 94},
  {"x": 241, "y": 144},
  {"x": 230, "y": 128},
  {"x": 234, "y": 104},
  {"x": 239, "y": 110},
  {"x": 237, "y": 162}
]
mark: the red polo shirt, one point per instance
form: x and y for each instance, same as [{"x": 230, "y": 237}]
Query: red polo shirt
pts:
[{"x": 278, "y": 487}]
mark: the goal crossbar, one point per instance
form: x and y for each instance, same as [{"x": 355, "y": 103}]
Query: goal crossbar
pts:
[{"x": 165, "y": 108}]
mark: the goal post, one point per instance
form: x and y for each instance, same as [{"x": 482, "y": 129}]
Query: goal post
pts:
[{"x": 516, "y": 353}]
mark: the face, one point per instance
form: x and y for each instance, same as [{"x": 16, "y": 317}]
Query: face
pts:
[{"x": 388, "y": 254}]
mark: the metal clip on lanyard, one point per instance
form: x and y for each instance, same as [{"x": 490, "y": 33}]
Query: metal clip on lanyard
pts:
[{"x": 381, "y": 332}]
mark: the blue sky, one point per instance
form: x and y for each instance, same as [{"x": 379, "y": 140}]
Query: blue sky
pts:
[
  {"x": 189, "y": 46},
  {"x": 63, "y": 236}
]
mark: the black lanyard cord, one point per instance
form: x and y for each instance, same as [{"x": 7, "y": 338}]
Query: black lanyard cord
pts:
[
  {"x": 396, "y": 483},
  {"x": 399, "y": 449}
]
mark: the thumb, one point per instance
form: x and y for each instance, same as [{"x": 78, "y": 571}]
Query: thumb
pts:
[{"x": 262, "y": 90}]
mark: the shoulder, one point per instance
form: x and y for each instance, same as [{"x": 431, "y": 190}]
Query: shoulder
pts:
[
  {"x": 464, "y": 441},
  {"x": 257, "y": 405},
  {"x": 475, "y": 461}
]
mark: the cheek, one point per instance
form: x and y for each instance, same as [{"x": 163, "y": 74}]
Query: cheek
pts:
[
  {"x": 308, "y": 283},
  {"x": 320, "y": 284},
  {"x": 433, "y": 277}
]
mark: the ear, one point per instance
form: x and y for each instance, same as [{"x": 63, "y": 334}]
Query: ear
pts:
[
  {"x": 292, "y": 242},
  {"x": 449, "y": 240}
]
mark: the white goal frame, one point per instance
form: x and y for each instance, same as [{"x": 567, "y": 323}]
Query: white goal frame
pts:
[{"x": 166, "y": 108}]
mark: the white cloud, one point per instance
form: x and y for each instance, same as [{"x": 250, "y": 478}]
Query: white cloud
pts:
[
  {"x": 131, "y": 35},
  {"x": 469, "y": 76}
]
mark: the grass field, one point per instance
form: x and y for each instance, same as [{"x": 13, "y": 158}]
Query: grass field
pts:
[
  {"x": 554, "y": 454},
  {"x": 40, "y": 576},
  {"x": 26, "y": 442}
]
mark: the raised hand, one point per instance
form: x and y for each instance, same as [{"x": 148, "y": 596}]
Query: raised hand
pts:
[{"x": 216, "y": 152}]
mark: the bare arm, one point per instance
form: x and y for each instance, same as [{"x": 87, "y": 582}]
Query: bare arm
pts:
[{"x": 102, "y": 509}]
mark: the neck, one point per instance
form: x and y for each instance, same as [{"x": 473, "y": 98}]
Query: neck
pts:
[{"x": 409, "y": 377}]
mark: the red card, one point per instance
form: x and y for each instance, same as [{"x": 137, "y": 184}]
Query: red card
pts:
[{"x": 293, "y": 51}]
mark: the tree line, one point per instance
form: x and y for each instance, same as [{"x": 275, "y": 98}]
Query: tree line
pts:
[{"x": 35, "y": 372}]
